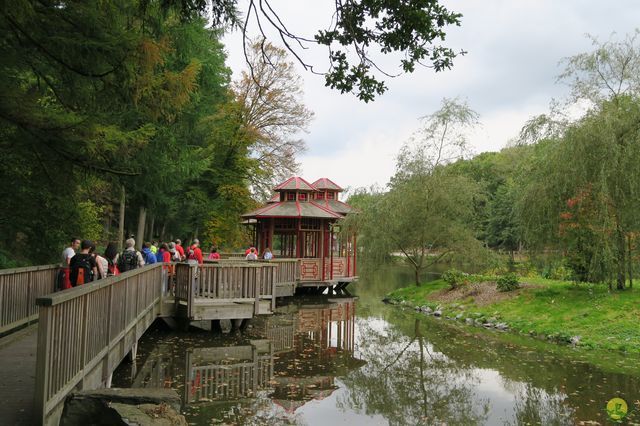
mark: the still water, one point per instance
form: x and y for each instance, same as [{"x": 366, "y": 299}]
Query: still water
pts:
[{"x": 356, "y": 361}]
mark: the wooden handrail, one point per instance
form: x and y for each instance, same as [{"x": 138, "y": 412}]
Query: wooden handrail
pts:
[
  {"x": 72, "y": 293},
  {"x": 86, "y": 331},
  {"x": 19, "y": 288},
  {"x": 27, "y": 269}
]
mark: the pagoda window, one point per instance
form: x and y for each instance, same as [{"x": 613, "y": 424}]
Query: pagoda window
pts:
[
  {"x": 331, "y": 195},
  {"x": 285, "y": 224},
  {"x": 291, "y": 196},
  {"x": 302, "y": 196},
  {"x": 310, "y": 224},
  {"x": 320, "y": 196}
]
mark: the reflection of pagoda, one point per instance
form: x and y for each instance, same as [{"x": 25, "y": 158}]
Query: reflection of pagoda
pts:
[
  {"x": 294, "y": 358},
  {"x": 301, "y": 221},
  {"x": 322, "y": 348}
]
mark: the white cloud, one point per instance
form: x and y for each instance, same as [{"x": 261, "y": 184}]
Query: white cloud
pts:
[{"x": 507, "y": 77}]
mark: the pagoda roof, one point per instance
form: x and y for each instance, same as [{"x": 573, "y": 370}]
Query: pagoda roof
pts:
[
  {"x": 336, "y": 206},
  {"x": 295, "y": 183},
  {"x": 326, "y": 183},
  {"x": 293, "y": 209}
]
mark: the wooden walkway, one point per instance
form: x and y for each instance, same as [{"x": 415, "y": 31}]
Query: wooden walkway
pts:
[
  {"x": 18, "y": 377},
  {"x": 84, "y": 333}
]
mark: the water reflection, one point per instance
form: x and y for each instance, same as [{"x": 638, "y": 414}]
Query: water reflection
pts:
[
  {"x": 265, "y": 374},
  {"x": 316, "y": 362}
]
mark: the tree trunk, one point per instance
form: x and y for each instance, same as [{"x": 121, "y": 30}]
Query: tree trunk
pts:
[
  {"x": 142, "y": 218},
  {"x": 621, "y": 249},
  {"x": 153, "y": 222},
  {"x": 629, "y": 261},
  {"x": 121, "y": 223},
  {"x": 417, "y": 275},
  {"x": 162, "y": 232}
]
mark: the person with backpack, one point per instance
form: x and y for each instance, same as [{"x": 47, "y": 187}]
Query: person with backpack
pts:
[
  {"x": 130, "y": 258},
  {"x": 111, "y": 254},
  {"x": 83, "y": 267},
  {"x": 194, "y": 253},
  {"x": 148, "y": 255}
]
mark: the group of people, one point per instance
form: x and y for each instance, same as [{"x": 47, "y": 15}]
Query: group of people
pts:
[
  {"x": 82, "y": 264},
  {"x": 252, "y": 254}
]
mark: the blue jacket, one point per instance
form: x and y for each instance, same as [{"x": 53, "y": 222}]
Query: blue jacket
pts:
[{"x": 149, "y": 257}]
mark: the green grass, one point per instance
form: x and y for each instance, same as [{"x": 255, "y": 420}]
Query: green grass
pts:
[{"x": 559, "y": 309}]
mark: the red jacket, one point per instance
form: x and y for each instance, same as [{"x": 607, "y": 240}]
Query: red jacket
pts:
[{"x": 197, "y": 254}]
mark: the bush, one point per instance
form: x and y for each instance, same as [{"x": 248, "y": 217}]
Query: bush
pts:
[
  {"x": 455, "y": 278},
  {"x": 508, "y": 282},
  {"x": 558, "y": 271}
]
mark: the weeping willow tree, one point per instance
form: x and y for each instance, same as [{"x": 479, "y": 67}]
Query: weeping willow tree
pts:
[
  {"x": 582, "y": 187},
  {"x": 583, "y": 192},
  {"x": 424, "y": 216}
]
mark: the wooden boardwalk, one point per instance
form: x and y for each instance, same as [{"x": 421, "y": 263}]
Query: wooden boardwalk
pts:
[
  {"x": 83, "y": 333},
  {"x": 18, "y": 377}
]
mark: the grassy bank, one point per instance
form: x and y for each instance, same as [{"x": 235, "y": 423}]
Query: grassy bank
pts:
[{"x": 553, "y": 310}]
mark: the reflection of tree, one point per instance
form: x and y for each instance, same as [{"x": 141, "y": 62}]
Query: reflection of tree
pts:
[
  {"x": 534, "y": 406},
  {"x": 408, "y": 383}
]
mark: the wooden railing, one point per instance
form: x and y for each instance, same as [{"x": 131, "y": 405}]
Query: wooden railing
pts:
[
  {"x": 19, "y": 289},
  {"x": 225, "y": 281},
  {"x": 210, "y": 375},
  {"x": 85, "y": 332},
  {"x": 286, "y": 270}
]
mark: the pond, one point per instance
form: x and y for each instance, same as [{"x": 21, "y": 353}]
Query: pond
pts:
[{"x": 353, "y": 360}]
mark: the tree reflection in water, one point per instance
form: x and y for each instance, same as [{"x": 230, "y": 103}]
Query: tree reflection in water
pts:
[{"x": 410, "y": 383}]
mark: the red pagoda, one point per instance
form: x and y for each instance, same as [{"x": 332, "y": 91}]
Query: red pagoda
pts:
[{"x": 302, "y": 221}]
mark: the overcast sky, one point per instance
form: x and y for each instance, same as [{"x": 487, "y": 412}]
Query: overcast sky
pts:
[{"x": 508, "y": 75}]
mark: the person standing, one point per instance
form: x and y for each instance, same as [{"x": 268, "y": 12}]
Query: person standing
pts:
[
  {"x": 63, "y": 279},
  {"x": 101, "y": 264},
  {"x": 175, "y": 256},
  {"x": 180, "y": 249},
  {"x": 130, "y": 258},
  {"x": 148, "y": 255},
  {"x": 252, "y": 254},
  {"x": 267, "y": 254},
  {"x": 195, "y": 253},
  {"x": 213, "y": 255},
  {"x": 111, "y": 254},
  {"x": 163, "y": 254},
  {"x": 83, "y": 268}
]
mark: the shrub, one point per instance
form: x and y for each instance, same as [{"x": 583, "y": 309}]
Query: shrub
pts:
[
  {"x": 558, "y": 271},
  {"x": 455, "y": 278},
  {"x": 507, "y": 282}
]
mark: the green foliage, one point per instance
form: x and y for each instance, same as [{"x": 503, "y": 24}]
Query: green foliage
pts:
[
  {"x": 558, "y": 271},
  {"x": 508, "y": 282},
  {"x": 455, "y": 278},
  {"x": 89, "y": 223}
]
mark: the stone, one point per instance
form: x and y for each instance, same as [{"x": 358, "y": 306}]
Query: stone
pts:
[
  {"x": 575, "y": 340},
  {"x": 469, "y": 321},
  {"x": 502, "y": 326},
  {"x": 426, "y": 309},
  {"x": 492, "y": 320},
  {"x": 459, "y": 317},
  {"x": 478, "y": 322},
  {"x": 142, "y": 406},
  {"x": 437, "y": 313}
]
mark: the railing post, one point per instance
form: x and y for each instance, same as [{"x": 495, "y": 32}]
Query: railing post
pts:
[
  {"x": 42, "y": 363},
  {"x": 256, "y": 286},
  {"x": 273, "y": 288}
]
